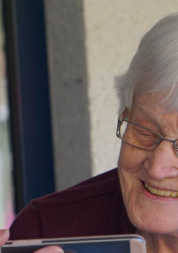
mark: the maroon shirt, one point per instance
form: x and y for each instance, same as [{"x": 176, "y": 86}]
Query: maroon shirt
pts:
[{"x": 93, "y": 207}]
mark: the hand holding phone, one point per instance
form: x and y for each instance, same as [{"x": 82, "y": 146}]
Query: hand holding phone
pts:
[
  {"x": 51, "y": 249},
  {"x": 4, "y": 236}
]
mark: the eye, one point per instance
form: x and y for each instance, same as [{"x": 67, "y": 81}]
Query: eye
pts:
[
  {"x": 147, "y": 134},
  {"x": 143, "y": 133}
]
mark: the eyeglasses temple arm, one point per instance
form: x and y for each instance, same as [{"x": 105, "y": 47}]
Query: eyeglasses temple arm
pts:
[
  {"x": 120, "y": 119},
  {"x": 123, "y": 115}
]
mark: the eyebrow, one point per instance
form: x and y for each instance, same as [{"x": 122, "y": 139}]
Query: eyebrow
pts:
[{"x": 144, "y": 115}]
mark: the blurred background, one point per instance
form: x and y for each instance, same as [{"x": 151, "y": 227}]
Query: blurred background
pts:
[{"x": 58, "y": 108}]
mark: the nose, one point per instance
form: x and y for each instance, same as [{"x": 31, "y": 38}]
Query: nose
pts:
[{"x": 162, "y": 162}]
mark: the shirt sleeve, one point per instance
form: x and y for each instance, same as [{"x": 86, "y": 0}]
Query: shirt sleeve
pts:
[{"x": 27, "y": 224}]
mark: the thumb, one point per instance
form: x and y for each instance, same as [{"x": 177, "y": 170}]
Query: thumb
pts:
[{"x": 4, "y": 236}]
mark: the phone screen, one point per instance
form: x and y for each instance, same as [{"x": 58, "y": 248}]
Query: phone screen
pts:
[
  {"x": 87, "y": 247},
  {"x": 98, "y": 247}
]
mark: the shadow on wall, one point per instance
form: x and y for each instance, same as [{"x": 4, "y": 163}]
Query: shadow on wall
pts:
[{"x": 68, "y": 86}]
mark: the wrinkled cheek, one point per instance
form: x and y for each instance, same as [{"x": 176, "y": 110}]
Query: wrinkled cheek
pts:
[
  {"x": 129, "y": 164},
  {"x": 127, "y": 187},
  {"x": 130, "y": 158},
  {"x": 126, "y": 184}
]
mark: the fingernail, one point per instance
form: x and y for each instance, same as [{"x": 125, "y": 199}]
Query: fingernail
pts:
[
  {"x": 59, "y": 250},
  {"x": 3, "y": 232}
]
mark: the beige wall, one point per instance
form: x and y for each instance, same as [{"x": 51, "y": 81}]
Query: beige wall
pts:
[{"x": 112, "y": 30}]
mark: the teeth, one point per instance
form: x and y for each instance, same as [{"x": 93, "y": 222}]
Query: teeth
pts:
[
  {"x": 173, "y": 194},
  {"x": 167, "y": 193},
  {"x": 154, "y": 191},
  {"x": 161, "y": 192}
]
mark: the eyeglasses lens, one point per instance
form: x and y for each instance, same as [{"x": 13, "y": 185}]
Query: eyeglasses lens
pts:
[{"x": 139, "y": 137}]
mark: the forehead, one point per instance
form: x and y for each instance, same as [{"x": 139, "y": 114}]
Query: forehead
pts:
[
  {"x": 149, "y": 107},
  {"x": 149, "y": 102}
]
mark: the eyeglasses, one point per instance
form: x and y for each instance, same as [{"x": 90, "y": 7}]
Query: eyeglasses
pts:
[{"x": 139, "y": 136}]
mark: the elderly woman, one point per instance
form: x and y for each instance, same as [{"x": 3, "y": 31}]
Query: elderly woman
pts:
[{"x": 144, "y": 199}]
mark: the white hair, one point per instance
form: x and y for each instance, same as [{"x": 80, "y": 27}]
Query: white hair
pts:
[{"x": 154, "y": 67}]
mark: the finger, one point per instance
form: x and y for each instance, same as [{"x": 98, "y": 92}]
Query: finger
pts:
[
  {"x": 50, "y": 249},
  {"x": 4, "y": 236}
]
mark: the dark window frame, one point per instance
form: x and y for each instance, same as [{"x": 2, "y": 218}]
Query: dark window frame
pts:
[{"x": 29, "y": 99}]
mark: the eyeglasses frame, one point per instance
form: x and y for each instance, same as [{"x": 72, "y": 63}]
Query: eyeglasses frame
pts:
[{"x": 121, "y": 118}]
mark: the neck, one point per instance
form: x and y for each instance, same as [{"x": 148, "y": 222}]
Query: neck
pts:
[{"x": 160, "y": 243}]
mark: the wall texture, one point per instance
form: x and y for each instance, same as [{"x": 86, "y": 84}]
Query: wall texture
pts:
[
  {"x": 89, "y": 42},
  {"x": 68, "y": 87}
]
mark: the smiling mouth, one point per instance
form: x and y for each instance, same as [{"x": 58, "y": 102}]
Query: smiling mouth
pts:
[{"x": 162, "y": 193}]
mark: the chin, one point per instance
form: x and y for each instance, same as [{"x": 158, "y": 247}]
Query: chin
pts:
[{"x": 152, "y": 221}]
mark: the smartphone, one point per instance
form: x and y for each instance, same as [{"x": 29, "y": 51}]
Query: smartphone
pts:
[{"x": 95, "y": 244}]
